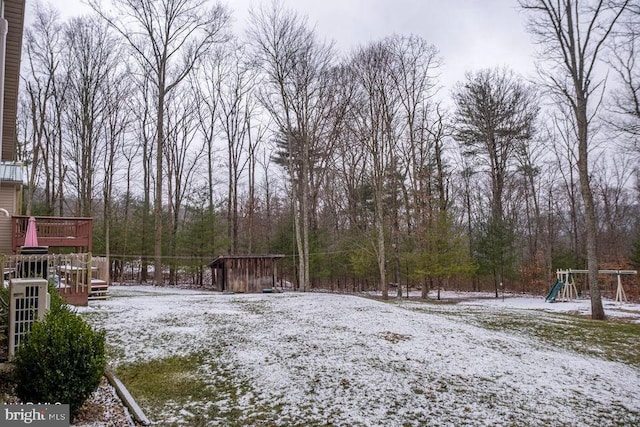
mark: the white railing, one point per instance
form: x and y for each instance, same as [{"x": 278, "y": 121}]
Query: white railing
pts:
[{"x": 73, "y": 275}]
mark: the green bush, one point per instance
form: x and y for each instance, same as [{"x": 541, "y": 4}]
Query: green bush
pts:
[
  {"x": 4, "y": 320},
  {"x": 61, "y": 360},
  {"x": 4, "y": 295},
  {"x": 55, "y": 300}
]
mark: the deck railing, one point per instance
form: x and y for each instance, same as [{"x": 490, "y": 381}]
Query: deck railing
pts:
[
  {"x": 75, "y": 232},
  {"x": 73, "y": 275}
]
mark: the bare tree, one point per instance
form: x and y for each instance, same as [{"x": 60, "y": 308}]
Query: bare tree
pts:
[
  {"x": 295, "y": 66},
  {"x": 237, "y": 105},
  {"x": 572, "y": 36},
  {"x": 91, "y": 58},
  {"x": 255, "y": 140},
  {"x": 563, "y": 143},
  {"x": 183, "y": 154},
  {"x": 205, "y": 83},
  {"x": 415, "y": 64},
  {"x": 625, "y": 60},
  {"x": 39, "y": 91},
  {"x": 129, "y": 154},
  {"x": 45, "y": 92},
  {"x": 375, "y": 125},
  {"x": 266, "y": 161},
  {"x": 141, "y": 156},
  {"x": 167, "y": 39},
  {"x": 117, "y": 118},
  {"x": 613, "y": 179}
]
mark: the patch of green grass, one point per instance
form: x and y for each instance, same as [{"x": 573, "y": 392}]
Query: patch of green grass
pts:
[
  {"x": 96, "y": 317},
  {"x": 173, "y": 379},
  {"x": 608, "y": 340},
  {"x": 253, "y": 307},
  {"x": 196, "y": 390},
  {"x": 613, "y": 341},
  {"x": 114, "y": 352}
]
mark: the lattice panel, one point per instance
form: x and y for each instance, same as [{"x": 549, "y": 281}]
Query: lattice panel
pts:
[{"x": 28, "y": 303}]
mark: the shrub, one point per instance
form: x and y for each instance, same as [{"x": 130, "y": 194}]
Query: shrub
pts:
[
  {"x": 61, "y": 360},
  {"x": 4, "y": 321},
  {"x": 4, "y": 292},
  {"x": 56, "y": 302},
  {"x": 4, "y": 303}
]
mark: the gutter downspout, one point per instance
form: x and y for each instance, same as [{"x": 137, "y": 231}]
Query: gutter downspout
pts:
[{"x": 4, "y": 26}]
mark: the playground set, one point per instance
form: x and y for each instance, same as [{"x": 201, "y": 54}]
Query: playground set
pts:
[{"x": 564, "y": 289}]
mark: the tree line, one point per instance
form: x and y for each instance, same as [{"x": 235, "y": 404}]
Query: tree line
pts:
[{"x": 186, "y": 141}]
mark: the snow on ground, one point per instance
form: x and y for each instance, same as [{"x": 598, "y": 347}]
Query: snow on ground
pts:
[
  {"x": 620, "y": 310},
  {"x": 623, "y": 310},
  {"x": 328, "y": 359}
]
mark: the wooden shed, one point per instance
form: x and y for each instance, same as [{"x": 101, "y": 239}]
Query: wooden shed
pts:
[{"x": 244, "y": 273}]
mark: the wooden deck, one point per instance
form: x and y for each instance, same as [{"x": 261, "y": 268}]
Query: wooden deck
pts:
[
  {"x": 78, "y": 278},
  {"x": 62, "y": 232}
]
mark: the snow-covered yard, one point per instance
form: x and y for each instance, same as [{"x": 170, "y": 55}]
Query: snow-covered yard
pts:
[{"x": 328, "y": 359}]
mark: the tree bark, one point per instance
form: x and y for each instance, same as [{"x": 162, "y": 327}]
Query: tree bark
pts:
[
  {"x": 573, "y": 36},
  {"x": 591, "y": 229},
  {"x": 157, "y": 204}
]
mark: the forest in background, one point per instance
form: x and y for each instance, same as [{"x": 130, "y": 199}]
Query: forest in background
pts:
[{"x": 185, "y": 141}]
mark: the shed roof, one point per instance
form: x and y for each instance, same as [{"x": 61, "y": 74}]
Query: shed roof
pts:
[{"x": 219, "y": 261}]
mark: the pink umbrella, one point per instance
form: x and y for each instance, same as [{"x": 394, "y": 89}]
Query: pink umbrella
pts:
[{"x": 31, "y": 237}]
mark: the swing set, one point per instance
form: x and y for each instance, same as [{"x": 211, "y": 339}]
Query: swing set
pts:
[{"x": 564, "y": 289}]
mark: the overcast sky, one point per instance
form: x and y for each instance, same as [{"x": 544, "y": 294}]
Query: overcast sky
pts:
[{"x": 470, "y": 34}]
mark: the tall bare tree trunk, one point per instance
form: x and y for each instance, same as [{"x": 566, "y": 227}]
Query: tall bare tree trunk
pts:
[
  {"x": 381, "y": 247},
  {"x": 157, "y": 204},
  {"x": 591, "y": 227},
  {"x": 298, "y": 233},
  {"x": 572, "y": 34}
]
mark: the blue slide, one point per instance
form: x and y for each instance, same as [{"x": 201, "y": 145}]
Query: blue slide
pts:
[{"x": 555, "y": 289}]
